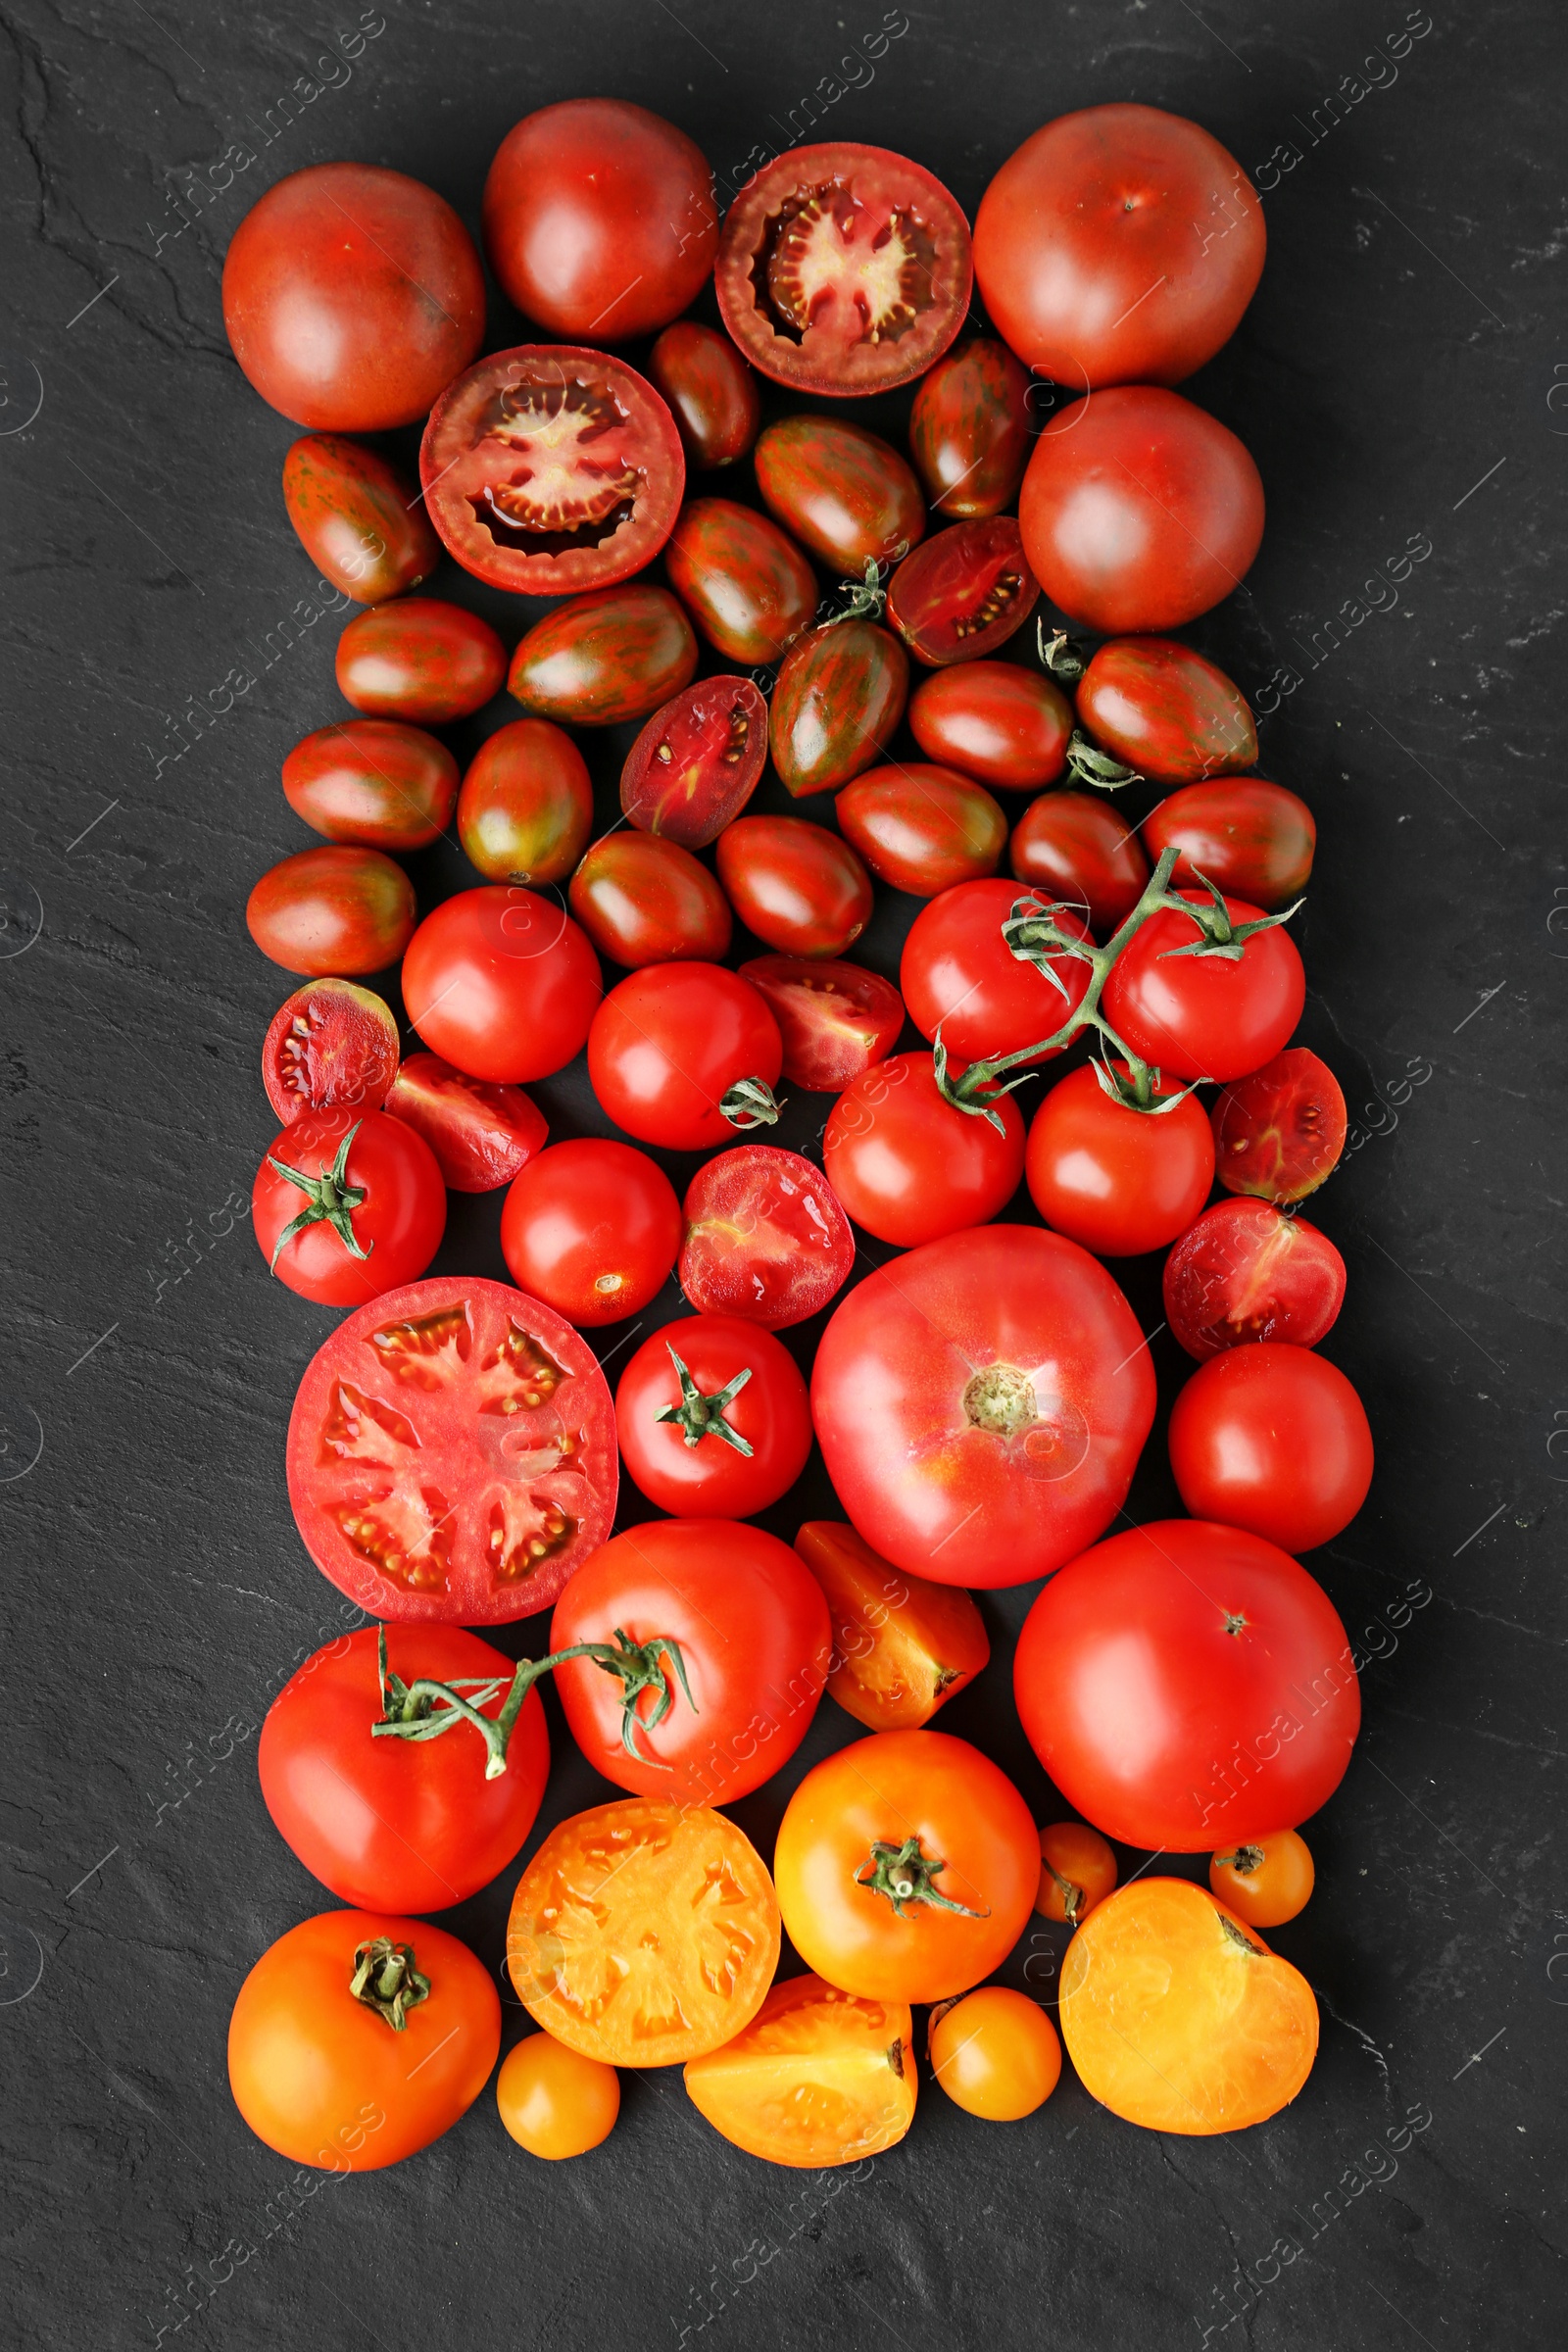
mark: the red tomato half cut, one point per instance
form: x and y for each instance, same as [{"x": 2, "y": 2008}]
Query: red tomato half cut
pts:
[
  {"x": 697, "y": 763},
  {"x": 964, "y": 592}
]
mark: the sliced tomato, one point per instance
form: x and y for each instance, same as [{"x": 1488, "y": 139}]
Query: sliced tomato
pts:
[
  {"x": 817, "y": 2078},
  {"x": 836, "y": 1019},
  {"x": 697, "y": 762},
  {"x": 481, "y": 1133},
  {"x": 765, "y": 1238},
  {"x": 1279, "y": 1131},
  {"x": 1246, "y": 1272},
  {"x": 331, "y": 1044},
  {"x": 964, "y": 592}
]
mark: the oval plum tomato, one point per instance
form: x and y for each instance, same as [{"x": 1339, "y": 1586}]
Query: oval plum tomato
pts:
[
  {"x": 981, "y": 1406},
  {"x": 969, "y": 430},
  {"x": 844, "y": 268},
  {"x": 712, "y": 393},
  {"x": 1076, "y": 850},
  {"x": 1118, "y": 1180},
  {"x": 1005, "y": 726},
  {"x": 548, "y": 470},
  {"x": 749, "y": 1628},
  {"x": 1203, "y": 1016},
  {"x": 964, "y": 592},
  {"x": 481, "y": 1135},
  {"x": 599, "y": 219},
  {"x": 348, "y": 1205},
  {"x": 837, "y": 702},
  {"x": 502, "y": 983},
  {"x": 682, "y": 1054},
  {"x": 816, "y": 2078},
  {"x": 845, "y": 493},
  {"x": 400, "y": 1825},
  {"x": 419, "y": 659},
  {"x": 604, "y": 659},
  {"x": 697, "y": 763},
  {"x": 644, "y": 1934},
  {"x": 1274, "y": 1440},
  {"x": 643, "y": 899},
  {"x": 836, "y": 1019},
  {"x": 373, "y": 782},
  {"x": 908, "y": 1165},
  {"x": 1279, "y": 1131},
  {"x": 1266, "y": 1881},
  {"x": 554, "y": 2101},
  {"x": 996, "y": 2054},
  {"x": 361, "y": 2037},
  {"x": 960, "y": 976},
  {"x": 1118, "y": 245},
  {"x": 903, "y": 1647},
  {"x": 1165, "y": 711},
  {"x": 451, "y": 1455},
  {"x": 592, "y": 1228},
  {"x": 765, "y": 1238},
  {"x": 1187, "y": 1682},
  {"x": 921, "y": 829},
  {"x": 748, "y": 587},
  {"x": 1139, "y": 512},
  {"x": 905, "y": 1867},
  {"x": 330, "y": 911},
  {"x": 1244, "y": 1272},
  {"x": 796, "y": 885},
  {"x": 330, "y": 1043},
  {"x": 1248, "y": 837},
  {"x": 351, "y": 297},
  {"x": 1077, "y": 1871},
  {"x": 713, "y": 1419},
  {"x": 357, "y": 518},
  {"x": 527, "y": 807}
]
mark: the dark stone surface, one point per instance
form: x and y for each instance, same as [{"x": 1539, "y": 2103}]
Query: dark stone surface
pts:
[{"x": 1403, "y": 375}]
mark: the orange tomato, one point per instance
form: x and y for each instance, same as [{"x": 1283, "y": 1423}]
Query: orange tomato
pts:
[
  {"x": 901, "y": 1645},
  {"x": 1178, "y": 2016},
  {"x": 644, "y": 1934},
  {"x": 1077, "y": 1871},
  {"x": 996, "y": 2054},
  {"x": 352, "y": 2080},
  {"x": 1265, "y": 1882},
  {"x": 554, "y": 2101},
  {"x": 817, "y": 2078}
]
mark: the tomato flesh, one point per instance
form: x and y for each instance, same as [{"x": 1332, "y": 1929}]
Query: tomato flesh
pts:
[
  {"x": 1279, "y": 1131},
  {"x": 964, "y": 592},
  {"x": 903, "y": 1645},
  {"x": 697, "y": 762},
  {"x": 481, "y": 1134},
  {"x": 819, "y": 2077},
  {"x": 765, "y": 1238},
  {"x": 331, "y": 1042},
  {"x": 836, "y": 1019},
  {"x": 1244, "y": 1272}
]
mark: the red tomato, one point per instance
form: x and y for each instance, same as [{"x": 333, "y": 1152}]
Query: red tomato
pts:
[
  {"x": 1118, "y": 1180},
  {"x": 697, "y": 763},
  {"x": 1071, "y": 846},
  {"x": 419, "y": 659},
  {"x": 796, "y": 885},
  {"x": 481, "y": 1135},
  {"x": 959, "y": 976},
  {"x": 336, "y": 910},
  {"x": 969, "y": 430},
  {"x": 592, "y": 1228},
  {"x": 1244, "y": 1273},
  {"x": 1202, "y": 1017},
  {"x": 712, "y": 1417},
  {"x": 1279, "y": 1131},
  {"x": 713, "y": 394},
  {"x": 604, "y": 658},
  {"x": 1274, "y": 1440},
  {"x": 908, "y": 1164},
  {"x": 765, "y": 1238},
  {"x": 845, "y": 493},
  {"x": 746, "y": 584},
  {"x": 836, "y": 1019},
  {"x": 682, "y": 1054},
  {"x": 502, "y": 983},
  {"x": 1005, "y": 726},
  {"x": 837, "y": 702},
  {"x": 374, "y": 782},
  {"x": 357, "y": 518},
  {"x": 527, "y": 807},
  {"x": 451, "y": 1455},
  {"x": 348, "y": 1205},
  {"x": 642, "y": 899},
  {"x": 1165, "y": 711},
  {"x": 981, "y": 1406},
  {"x": 1139, "y": 512},
  {"x": 964, "y": 592},
  {"x": 921, "y": 829},
  {"x": 1249, "y": 838},
  {"x": 330, "y": 1043}
]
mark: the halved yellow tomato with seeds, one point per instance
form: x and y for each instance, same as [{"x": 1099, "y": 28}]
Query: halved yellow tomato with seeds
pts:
[{"x": 818, "y": 2077}]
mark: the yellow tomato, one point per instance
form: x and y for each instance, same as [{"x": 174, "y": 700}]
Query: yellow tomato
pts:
[
  {"x": 1266, "y": 1880},
  {"x": 996, "y": 2054},
  {"x": 554, "y": 2101}
]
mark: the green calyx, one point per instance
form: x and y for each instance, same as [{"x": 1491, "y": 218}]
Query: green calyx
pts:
[
  {"x": 329, "y": 1198},
  {"x": 386, "y": 1979},
  {"x": 750, "y": 1103},
  {"x": 868, "y": 595},
  {"x": 1089, "y": 765},
  {"x": 699, "y": 1416},
  {"x": 1061, "y": 655},
  {"x": 903, "y": 1873}
]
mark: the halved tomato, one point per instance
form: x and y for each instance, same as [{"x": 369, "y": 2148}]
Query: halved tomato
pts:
[
  {"x": 836, "y": 1019},
  {"x": 1279, "y": 1131},
  {"x": 481, "y": 1133},
  {"x": 331, "y": 1044},
  {"x": 697, "y": 762},
  {"x": 964, "y": 592},
  {"x": 819, "y": 2077},
  {"x": 765, "y": 1237},
  {"x": 1242, "y": 1272},
  {"x": 903, "y": 1645}
]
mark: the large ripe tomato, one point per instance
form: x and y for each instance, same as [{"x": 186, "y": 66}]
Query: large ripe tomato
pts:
[
  {"x": 451, "y": 1455},
  {"x": 1273, "y": 1439},
  {"x": 796, "y": 885},
  {"x": 712, "y": 1418},
  {"x": 836, "y": 1019},
  {"x": 357, "y": 518},
  {"x": 1008, "y": 727},
  {"x": 908, "y": 1165},
  {"x": 844, "y": 268},
  {"x": 921, "y": 829},
  {"x": 1118, "y": 1180},
  {"x": 903, "y": 1645},
  {"x": 959, "y": 976},
  {"x": 604, "y": 658},
  {"x": 969, "y": 430},
  {"x": 527, "y": 807},
  {"x": 643, "y": 898},
  {"x": 1205, "y": 1017},
  {"x": 347, "y": 1204},
  {"x": 697, "y": 763},
  {"x": 838, "y": 699},
  {"x": 420, "y": 657},
  {"x": 745, "y": 583},
  {"x": 816, "y": 2078},
  {"x": 1071, "y": 846},
  {"x": 845, "y": 493},
  {"x": 1118, "y": 245},
  {"x": 981, "y": 1406},
  {"x": 1166, "y": 711},
  {"x": 331, "y": 911},
  {"x": 592, "y": 1228},
  {"x": 1186, "y": 1685},
  {"x": 502, "y": 983},
  {"x": 713, "y": 395},
  {"x": 351, "y": 297},
  {"x": 1253, "y": 839},
  {"x": 481, "y": 1134},
  {"x": 765, "y": 1238},
  {"x": 1279, "y": 1131},
  {"x": 373, "y": 782},
  {"x": 684, "y": 1054},
  {"x": 1244, "y": 1272},
  {"x": 332, "y": 1042},
  {"x": 964, "y": 592}
]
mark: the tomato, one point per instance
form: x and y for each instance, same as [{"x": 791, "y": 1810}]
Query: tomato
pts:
[
  {"x": 981, "y": 1406},
  {"x": 844, "y": 268},
  {"x": 796, "y": 885},
  {"x": 964, "y": 592},
  {"x": 399, "y": 1825},
  {"x": 1266, "y": 1880},
  {"x": 592, "y": 1228},
  {"x": 765, "y": 1238},
  {"x": 481, "y": 1134},
  {"x": 1279, "y": 1131},
  {"x": 604, "y": 658},
  {"x": 1120, "y": 1181},
  {"x": 1186, "y": 1683},
  {"x": 361, "y": 2037},
  {"x": 682, "y": 1054},
  {"x": 599, "y": 219},
  {"x": 958, "y": 976},
  {"x": 1274, "y": 1440},
  {"x": 908, "y": 1165},
  {"x": 969, "y": 430},
  {"x": 372, "y": 782},
  {"x": 1077, "y": 1871},
  {"x": 1005, "y": 726},
  {"x": 451, "y": 1455},
  {"x": 996, "y": 2054},
  {"x": 921, "y": 829},
  {"x": 419, "y": 659},
  {"x": 845, "y": 493},
  {"x": 713, "y": 394},
  {"x": 816, "y": 2078},
  {"x": 348, "y": 1205},
  {"x": 1070, "y": 846},
  {"x": 644, "y": 1934},
  {"x": 837, "y": 702},
  {"x": 330, "y": 1043},
  {"x": 1118, "y": 245},
  {"x": 712, "y": 1418},
  {"x": 502, "y": 983},
  {"x": 1139, "y": 512},
  {"x": 903, "y": 1647},
  {"x": 697, "y": 763},
  {"x": 1205, "y": 1017},
  {"x": 1244, "y": 1273},
  {"x": 331, "y": 911},
  {"x": 1166, "y": 711},
  {"x": 1179, "y": 2018},
  {"x": 836, "y": 1019},
  {"x": 905, "y": 1867},
  {"x": 748, "y": 587},
  {"x": 357, "y": 518},
  {"x": 1249, "y": 838},
  {"x": 554, "y": 2101},
  {"x": 527, "y": 807},
  {"x": 642, "y": 899},
  {"x": 351, "y": 297},
  {"x": 750, "y": 1631}
]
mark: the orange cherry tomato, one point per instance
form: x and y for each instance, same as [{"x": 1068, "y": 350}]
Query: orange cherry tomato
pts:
[
  {"x": 996, "y": 2054},
  {"x": 554, "y": 2101},
  {"x": 1265, "y": 1882},
  {"x": 817, "y": 2078},
  {"x": 1077, "y": 1871},
  {"x": 901, "y": 1645}
]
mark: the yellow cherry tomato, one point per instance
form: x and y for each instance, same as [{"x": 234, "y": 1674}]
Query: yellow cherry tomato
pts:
[
  {"x": 1077, "y": 1871},
  {"x": 1266, "y": 1880},
  {"x": 554, "y": 2101},
  {"x": 996, "y": 2054}
]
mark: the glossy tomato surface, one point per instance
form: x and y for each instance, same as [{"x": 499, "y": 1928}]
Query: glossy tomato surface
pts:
[
  {"x": 1279, "y": 1131},
  {"x": 1253, "y": 839},
  {"x": 1008, "y": 727},
  {"x": 331, "y": 1042},
  {"x": 357, "y": 518},
  {"x": 796, "y": 885},
  {"x": 996, "y": 2054},
  {"x": 604, "y": 658},
  {"x": 419, "y": 659},
  {"x": 684, "y": 1056},
  {"x": 964, "y": 592},
  {"x": 481, "y": 1134},
  {"x": 643, "y": 898},
  {"x": 391, "y": 1200},
  {"x": 330, "y": 911},
  {"x": 908, "y": 1165},
  {"x": 697, "y": 763},
  {"x": 969, "y": 430},
  {"x": 1164, "y": 711},
  {"x": 526, "y": 807},
  {"x": 960, "y": 976},
  {"x": 765, "y": 1238},
  {"x": 903, "y": 1645},
  {"x": 672, "y": 1441},
  {"x": 845, "y": 493},
  {"x": 838, "y": 699},
  {"x": 921, "y": 828},
  {"x": 1120, "y": 1181},
  {"x": 1273, "y": 1439},
  {"x": 1073, "y": 848},
  {"x": 554, "y": 2101},
  {"x": 744, "y": 581},
  {"x": 713, "y": 394},
  {"x": 591, "y": 1227},
  {"x": 502, "y": 983},
  {"x": 374, "y": 782},
  {"x": 1244, "y": 1272},
  {"x": 836, "y": 1019},
  {"x": 1205, "y": 1017}
]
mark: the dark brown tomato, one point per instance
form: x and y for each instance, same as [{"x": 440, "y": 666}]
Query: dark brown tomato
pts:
[
  {"x": 372, "y": 781},
  {"x": 419, "y": 659},
  {"x": 1255, "y": 839},
  {"x": 1244, "y": 1272},
  {"x": 643, "y": 898},
  {"x": 1279, "y": 1131},
  {"x": 748, "y": 587},
  {"x": 964, "y": 592},
  {"x": 358, "y": 520},
  {"x": 527, "y": 807},
  {"x": 836, "y": 1019},
  {"x": 481, "y": 1134},
  {"x": 922, "y": 828},
  {"x": 697, "y": 763},
  {"x": 331, "y": 1045},
  {"x": 1006, "y": 727},
  {"x": 713, "y": 394},
  {"x": 1071, "y": 846},
  {"x": 796, "y": 885},
  {"x": 1165, "y": 711},
  {"x": 334, "y": 911},
  {"x": 837, "y": 702},
  {"x": 845, "y": 493},
  {"x": 604, "y": 659},
  {"x": 969, "y": 430}
]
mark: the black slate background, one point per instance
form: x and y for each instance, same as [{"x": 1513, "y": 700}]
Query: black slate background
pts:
[{"x": 1404, "y": 372}]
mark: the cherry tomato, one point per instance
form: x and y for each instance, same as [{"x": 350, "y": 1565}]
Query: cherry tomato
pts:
[
  {"x": 1244, "y": 1272},
  {"x": 713, "y": 394},
  {"x": 697, "y": 763},
  {"x": 1279, "y": 1132},
  {"x": 836, "y": 1019},
  {"x": 604, "y": 658},
  {"x": 501, "y": 983},
  {"x": 964, "y": 592},
  {"x": 481, "y": 1135},
  {"x": 1203, "y": 1016},
  {"x": 331, "y": 1042},
  {"x": 351, "y": 297},
  {"x": 1077, "y": 1871},
  {"x": 1266, "y": 1880},
  {"x": 642, "y": 899},
  {"x": 908, "y": 1165},
  {"x": 746, "y": 586},
  {"x": 903, "y": 1647},
  {"x": 816, "y": 2078},
  {"x": 592, "y": 1228},
  {"x": 335, "y": 911},
  {"x": 960, "y": 976},
  {"x": 357, "y": 518},
  {"x": 1247, "y": 835},
  {"x": 921, "y": 829},
  {"x": 969, "y": 430},
  {"x": 554, "y": 2101},
  {"x": 1139, "y": 512},
  {"x": 419, "y": 659},
  {"x": 527, "y": 807},
  {"x": 683, "y": 1055},
  {"x": 1165, "y": 711},
  {"x": 1076, "y": 850},
  {"x": 837, "y": 702},
  {"x": 765, "y": 1238},
  {"x": 996, "y": 2054},
  {"x": 1120, "y": 1181},
  {"x": 373, "y": 782},
  {"x": 348, "y": 1205},
  {"x": 678, "y": 1397},
  {"x": 845, "y": 494},
  {"x": 844, "y": 268},
  {"x": 796, "y": 885},
  {"x": 1005, "y": 726},
  {"x": 1274, "y": 1440}
]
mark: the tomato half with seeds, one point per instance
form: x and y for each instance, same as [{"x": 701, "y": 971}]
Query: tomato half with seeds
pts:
[
  {"x": 604, "y": 658},
  {"x": 969, "y": 430},
  {"x": 816, "y": 2078},
  {"x": 765, "y": 1238},
  {"x": 836, "y": 1019},
  {"x": 1008, "y": 727},
  {"x": 481, "y": 1134},
  {"x": 1205, "y": 1017},
  {"x": 502, "y": 983},
  {"x": 711, "y": 392},
  {"x": 796, "y": 885},
  {"x": 420, "y": 657},
  {"x": 684, "y": 1054},
  {"x": 845, "y": 493},
  {"x": 1274, "y": 1440},
  {"x": 1166, "y": 711},
  {"x": 908, "y": 1165},
  {"x": 1073, "y": 848},
  {"x": 331, "y": 911},
  {"x": 331, "y": 1042},
  {"x": 921, "y": 828},
  {"x": 1118, "y": 1180},
  {"x": 526, "y": 807},
  {"x": 643, "y": 900},
  {"x": 347, "y": 1204},
  {"x": 451, "y": 1455},
  {"x": 592, "y": 1228},
  {"x": 746, "y": 586},
  {"x": 713, "y": 1419},
  {"x": 1279, "y": 1131},
  {"x": 697, "y": 763},
  {"x": 1253, "y": 839},
  {"x": 837, "y": 702},
  {"x": 960, "y": 976},
  {"x": 903, "y": 1645},
  {"x": 357, "y": 518},
  {"x": 964, "y": 592},
  {"x": 374, "y": 782},
  {"x": 1244, "y": 1272}
]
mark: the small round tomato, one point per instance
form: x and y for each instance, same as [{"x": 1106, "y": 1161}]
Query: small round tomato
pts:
[
  {"x": 331, "y": 911},
  {"x": 713, "y": 394},
  {"x": 554, "y": 2101},
  {"x": 921, "y": 829},
  {"x": 697, "y": 763},
  {"x": 357, "y": 518},
  {"x": 796, "y": 885},
  {"x": 765, "y": 1238},
  {"x": 746, "y": 586},
  {"x": 348, "y": 1205},
  {"x": 1118, "y": 1180},
  {"x": 683, "y": 1055},
  {"x": 959, "y": 977},
  {"x": 527, "y": 807},
  {"x": 964, "y": 592},
  {"x": 1244, "y": 1272},
  {"x": 1247, "y": 835},
  {"x": 1166, "y": 711},
  {"x": 969, "y": 430},
  {"x": 845, "y": 493},
  {"x": 1266, "y": 1880},
  {"x": 836, "y": 1019},
  {"x": 1274, "y": 1440},
  {"x": 502, "y": 983},
  {"x": 419, "y": 659},
  {"x": 1279, "y": 1131},
  {"x": 713, "y": 1419},
  {"x": 816, "y": 2078},
  {"x": 903, "y": 1645},
  {"x": 604, "y": 658},
  {"x": 331, "y": 1042},
  {"x": 1075, "y": 849},
  {"x": 908, "y": 1165},
  {"x": 1205, "y": 1017},
  {"x": 996, "y": 2054},
  {"x": 643, "y": 899},
  {"x": 1005, "y": 726},
  {"x": 373, "y": 782},
  {"x": 837, "y": 702},
  {"x": 481, "y": 1135},
  {"x": 592, "y": 1228},
  {"x": 1077, "y": 1871}
]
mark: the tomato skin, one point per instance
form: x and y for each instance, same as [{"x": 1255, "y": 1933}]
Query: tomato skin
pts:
[
  {"x": 642, "y": 899},
  {"x": 399, "y": 1223},
  {"x": 527, "y": 807},
  {"x": 604, "y": 658},
  {"x": 592, "y": 1228},
  {"x": 419, "y": 659},
  {"x": 836, "y": 1019},
  {"x": 749, "y": 588},
  {"x": 334, "y": 912},
  {"x": 1266, "y": 1881},
  {"x": 838, "y": 699},
  {"x": 670, "y": 1042},
  {"x": 1254, "y": 839},
  {"x": 713, "y": 394},
  {"x": 996, "y": 2054},
  {"x": 816, "y": 2078},
  {"x": 1166, "y": 711},
  {"x": 1280, "y": 1130},
  {"x": 1008, "y": 727},
  {"x": 921, "y": 829},
  {"x": 959, "y": 976},
  {"x": 845, "y": 494},
  {"x": 1077, "y": 1871},
  {"x": 697, "y": 763},
  {"x": 373, "y": 783},
  {"x": 711, "y": 1480},
  {"x": 796, "y": 885},
  {"x": 964, "y": 592},
  {"x": 357, "y": 518},
  {"x": 903, "y": 1645},
  {"x": 554, "y": 2101},
  {"x": 501, "y": 983},
  {"x": 330, "y": 1043},
  {"x": 1274, "y": 1440},
  {"x": 907, "y": 1165},
  {"x": 1119, "y": 1181},
  {"x": 1245, "y": 1273},
  {"x": 1073, "y": 848},
  {"x": 969, "y": 430},
  {"x": 765, "y": 1238},
  {"x": 481, "y": 1135},
  {"x": 1202, "y": 1017}
]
